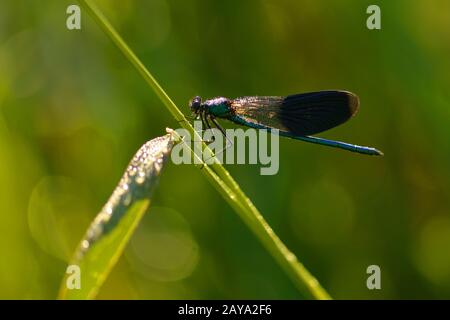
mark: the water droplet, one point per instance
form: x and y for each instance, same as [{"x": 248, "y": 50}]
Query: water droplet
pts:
[
  {"x": 127, "y": 199},
  {"x": 132, "y": 171},
  {"x": 85, "y": 244},
  {"x": 140, "y": 179}
]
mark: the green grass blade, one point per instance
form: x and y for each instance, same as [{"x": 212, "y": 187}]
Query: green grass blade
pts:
[
  {"x": 110, "y": 231},
  {"x": 302, "y": 278},
  {"x": 227, "y": 186}
]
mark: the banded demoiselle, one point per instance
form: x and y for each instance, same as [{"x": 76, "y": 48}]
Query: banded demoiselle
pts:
[{"x": 296, "y": 116}]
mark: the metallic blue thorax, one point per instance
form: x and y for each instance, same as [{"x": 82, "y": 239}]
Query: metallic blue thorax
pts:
[{"x": 219, "y": 107}]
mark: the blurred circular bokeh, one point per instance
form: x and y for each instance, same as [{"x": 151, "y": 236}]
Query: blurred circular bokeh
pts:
[{"x": 73, "y": 111}]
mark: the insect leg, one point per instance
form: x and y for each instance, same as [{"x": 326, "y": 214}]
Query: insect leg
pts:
[
  {"x": 203, "y": 120},
  {"x": 208, "y": 126},
  {"x": 218, "y": 126},
  {"x": 229, "y": 142}
]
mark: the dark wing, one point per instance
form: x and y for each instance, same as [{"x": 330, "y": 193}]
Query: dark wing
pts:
[{"x": 301, "y": 114}]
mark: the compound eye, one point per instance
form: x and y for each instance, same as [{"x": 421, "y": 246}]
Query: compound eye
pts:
[{"x": 195, "y": 103}]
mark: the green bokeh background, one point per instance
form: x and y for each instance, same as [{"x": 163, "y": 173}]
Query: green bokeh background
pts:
[{"x": 73, "y": 111}]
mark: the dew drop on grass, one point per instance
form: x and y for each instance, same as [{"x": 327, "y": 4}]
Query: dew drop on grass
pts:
[
  {"x": 140, "y": 178},
  {"x": 85, "y": 244},
  {"x": 127, "y": 199},
  {"x": 137, "y": 183}
]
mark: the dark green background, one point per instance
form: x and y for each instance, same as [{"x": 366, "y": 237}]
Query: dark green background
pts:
[{"x": 73, "y": 111}]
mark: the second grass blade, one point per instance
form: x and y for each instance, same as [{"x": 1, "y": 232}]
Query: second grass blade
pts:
[{"x": 111, "y": 229}]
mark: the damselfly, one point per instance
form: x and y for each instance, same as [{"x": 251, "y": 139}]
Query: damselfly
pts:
[{"x": 296, "y": 116}]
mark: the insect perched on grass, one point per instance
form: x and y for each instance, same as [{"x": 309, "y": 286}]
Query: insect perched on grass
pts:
[{"x": 296, "y": 116}]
